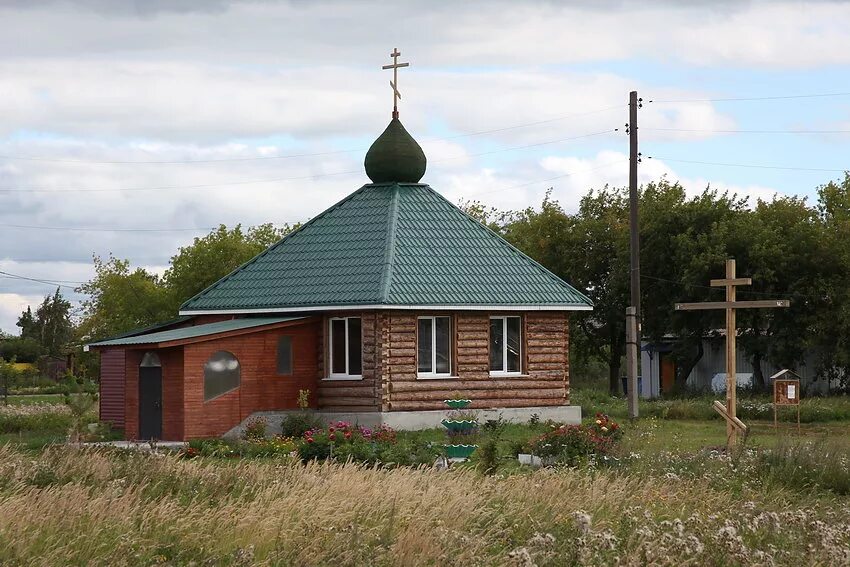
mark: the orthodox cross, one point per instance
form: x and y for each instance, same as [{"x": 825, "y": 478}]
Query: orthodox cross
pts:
[
  {"x": 394, "y": 83},
  {"x": 733, "y": 424}
]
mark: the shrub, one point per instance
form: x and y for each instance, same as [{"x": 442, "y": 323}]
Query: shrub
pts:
[
  {"x": 342, "y": 441},
  {"x": 573, "y": 444},
  {"x": 298, "y": 423},
  {"x": 255, "y": 429}
]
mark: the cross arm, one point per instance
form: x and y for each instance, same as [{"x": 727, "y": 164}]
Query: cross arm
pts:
[
  {"x": 731, "y": 281},
  {"x": 763, "y": 303},
  {"x": 395, "y": 66}
]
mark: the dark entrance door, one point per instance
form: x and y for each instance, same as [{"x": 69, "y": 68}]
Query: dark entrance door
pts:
[{"x": 150, "y": 397}]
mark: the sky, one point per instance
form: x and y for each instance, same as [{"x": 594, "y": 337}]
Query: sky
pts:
[{"x": 131, "y": 127}]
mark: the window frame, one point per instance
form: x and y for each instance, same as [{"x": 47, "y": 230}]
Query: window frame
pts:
[
  {"x": 504, "y": 372},
  {"x": 433, "y": 375},
  {"x": 330, "y": 374}
]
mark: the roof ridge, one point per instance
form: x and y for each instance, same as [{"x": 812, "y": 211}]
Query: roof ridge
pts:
[
  {"x": 510, "y": 246},
  {"x": 273, "y": 246},
  {"x": 389, "y": 247}
]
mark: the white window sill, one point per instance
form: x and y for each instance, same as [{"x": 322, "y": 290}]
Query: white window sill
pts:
[
  {"x": 343, "y": 377},
  {"x": 508, "y": 375},
  {"x": 436, "y": 377}
]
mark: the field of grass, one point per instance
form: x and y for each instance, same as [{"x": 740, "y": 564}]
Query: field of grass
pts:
[{"x": 669, "y": 495}]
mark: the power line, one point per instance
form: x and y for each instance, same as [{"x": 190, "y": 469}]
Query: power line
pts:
[
  {"x": 749, "y": 131},
  {"x": 753, "y": 98},
  {"x": 604, "y": 165},
  {"x": 57, "y": 283},
  {"x": 301, "y": 155},
  {"x": 296, "y": 178},
  {"x": 749, "y": 165},
  {"x": 97, "y": 229}
]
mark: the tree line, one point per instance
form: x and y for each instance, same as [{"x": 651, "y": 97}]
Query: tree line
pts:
[{"x": 791, "y": 248}]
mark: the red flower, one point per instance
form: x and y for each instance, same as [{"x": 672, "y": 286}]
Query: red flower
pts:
[{"x": 309, "y": 440}]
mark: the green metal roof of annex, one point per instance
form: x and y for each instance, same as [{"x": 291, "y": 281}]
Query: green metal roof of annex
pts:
[
  {"x": 388, "y": 245},
  {"x": 194, "y": 331}
]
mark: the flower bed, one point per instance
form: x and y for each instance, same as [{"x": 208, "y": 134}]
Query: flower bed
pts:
[{"x": 573, "y": 444}]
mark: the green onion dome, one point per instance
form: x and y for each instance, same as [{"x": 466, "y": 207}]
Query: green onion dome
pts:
[{"x": 395, "y": 157}]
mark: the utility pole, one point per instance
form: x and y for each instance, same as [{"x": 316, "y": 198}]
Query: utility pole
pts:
[{"x": 633, "y": 318}]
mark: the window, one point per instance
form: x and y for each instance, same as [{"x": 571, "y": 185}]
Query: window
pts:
[
  {"x": 284, "y": 355},
  {"x": 434, "y": 346},
  {"x": 505, "y": 345},
  {"x": 346, "y": 356},
  {"x": 221, "y": 374}
]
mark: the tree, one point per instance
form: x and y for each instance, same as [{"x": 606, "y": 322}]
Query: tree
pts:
[
  {"x": 120, "y": 299},
  {"x": 209, "y": 258},
  {"x": 27, "y": 324},
  {"x": 53, "y": 323},
  {"x": 589, "y": 250}
]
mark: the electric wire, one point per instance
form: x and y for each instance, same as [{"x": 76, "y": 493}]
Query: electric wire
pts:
[{"x": 302, "y": 155}]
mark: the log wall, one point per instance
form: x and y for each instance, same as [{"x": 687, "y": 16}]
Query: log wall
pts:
[
  {"x": 353, "y": 395},
  {"x": 544, "y": 380}
]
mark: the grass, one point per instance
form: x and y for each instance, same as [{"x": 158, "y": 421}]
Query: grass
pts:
[
  {"x": 667, "y": 496},
  {"x": 72, "y": 506}
]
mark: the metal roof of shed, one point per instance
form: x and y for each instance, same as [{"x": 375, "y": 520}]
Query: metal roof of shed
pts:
[{"x": 195, "y": 331}]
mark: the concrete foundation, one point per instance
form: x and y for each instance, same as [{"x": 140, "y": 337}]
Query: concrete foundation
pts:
[{"x": 415, "y": 420}]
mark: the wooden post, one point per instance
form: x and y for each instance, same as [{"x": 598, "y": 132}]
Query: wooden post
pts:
[
  {"x": 632, "y": 351},
  {"x": 731, "y": 354}
]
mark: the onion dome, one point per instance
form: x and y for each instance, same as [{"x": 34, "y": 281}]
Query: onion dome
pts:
[{"x": 395, "y": 157}]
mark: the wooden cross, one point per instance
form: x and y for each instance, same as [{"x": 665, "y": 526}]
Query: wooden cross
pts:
[
  {"x": 733, "y": 424},
  {"x": 394, "y": 83}
]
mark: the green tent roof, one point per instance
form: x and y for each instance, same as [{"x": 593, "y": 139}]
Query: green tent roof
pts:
[{"x": 389, "y": 245}]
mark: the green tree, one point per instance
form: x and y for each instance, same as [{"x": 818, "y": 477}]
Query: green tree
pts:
[
  {"x": 590, "y": 250},
  {"x": 209, "y": 258},
  {"x": 684, "y": 243},
  {"x": 53, "y": 323},
  {"x": 120, "y": 299},
  {"x": 27, "y": 324}
]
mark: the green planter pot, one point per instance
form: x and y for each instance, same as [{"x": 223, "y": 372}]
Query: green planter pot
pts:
[
  {"x": 462, "y": 426},
  {"x": 460, "y": 451},
  {"x": 457, "y": 404}
]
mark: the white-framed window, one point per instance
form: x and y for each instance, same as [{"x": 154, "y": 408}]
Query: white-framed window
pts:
[
  {"x": 505, "y": 345},
  {"x": 345, "y": 348},
  {"x": 434, "y": 347}
]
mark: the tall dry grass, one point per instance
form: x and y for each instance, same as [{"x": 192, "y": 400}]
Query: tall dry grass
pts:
[{"x": 96, "y": 507}]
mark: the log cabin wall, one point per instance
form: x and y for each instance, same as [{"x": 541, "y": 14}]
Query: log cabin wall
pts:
[
  {"x": 261, "y": 387},
  {"x": 359, "y": 394},
  {"x": 544, "y": 380}
]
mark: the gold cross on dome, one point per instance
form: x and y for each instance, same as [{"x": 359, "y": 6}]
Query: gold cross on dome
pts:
[{"x": 394, "y": 83}]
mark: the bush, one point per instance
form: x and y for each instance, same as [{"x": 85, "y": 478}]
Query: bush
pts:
[
  {"x": 298, "y": 423},
  {"x": 572, "y": 444},
  {"x": 255, "y": 429},
  {"x": 342, "y": 442}
]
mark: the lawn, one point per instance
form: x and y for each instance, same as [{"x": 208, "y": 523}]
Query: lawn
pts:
[{"x": 668, "y": 495}]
